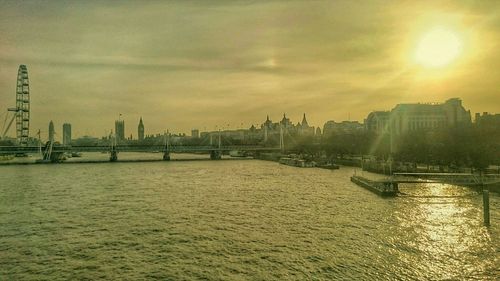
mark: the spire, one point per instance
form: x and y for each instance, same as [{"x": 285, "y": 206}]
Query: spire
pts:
[
  {"x": 267, "y": 117},
  {"x": 304, "y": 121}
]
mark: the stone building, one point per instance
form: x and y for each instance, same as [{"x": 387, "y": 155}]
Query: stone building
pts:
[{"x": 417, "y": 117}]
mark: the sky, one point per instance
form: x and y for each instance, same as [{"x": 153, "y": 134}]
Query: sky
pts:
[{"x": 227, "y": 64}]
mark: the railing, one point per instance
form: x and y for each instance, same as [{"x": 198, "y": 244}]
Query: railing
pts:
[{"x": 451, "y": 178}]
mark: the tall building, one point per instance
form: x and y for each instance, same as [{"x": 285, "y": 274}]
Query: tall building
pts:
[
  {"x": 195, "y": 133},
  {"x": 417, "y": 116},
  {"x": 140, "y": 130},
  {"x": 120, "y": 129},
  {"x": 66, "y": 134},
  {"x": 51, "y": 131}
]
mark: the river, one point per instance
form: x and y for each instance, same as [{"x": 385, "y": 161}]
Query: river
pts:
[{"x": 235, "y": 220}]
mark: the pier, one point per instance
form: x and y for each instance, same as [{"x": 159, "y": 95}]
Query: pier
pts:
[
  {"x": 382, "y": 188},
  {"x": 389, "y": 187}
]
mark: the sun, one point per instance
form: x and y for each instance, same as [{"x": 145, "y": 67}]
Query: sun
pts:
[{"x": 438, "y": 48}]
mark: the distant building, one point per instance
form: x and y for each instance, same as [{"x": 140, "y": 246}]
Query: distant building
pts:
[
  {"x": 66, "y": 134},
  {"x": 411, "y": 117},
  {"x": 286, "y": 123},
  {"x": 269, "y": 130},
  {"x": 304, "y": 128},
  {"x": 87, "y": 140},
  {"x": 377, "y": 121},
  {"x": 120, "y": 129},
  {"x": 488, "y": 119},
  {"x": 318, "y": 132},
  {"x": 51, "y": 131},
  {"x": 195, "y": 133},
  {"x": 331, "y": 127},
  {"x": 140, "y": 130}
]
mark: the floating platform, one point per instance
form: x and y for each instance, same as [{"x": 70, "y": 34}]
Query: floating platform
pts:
[
  {"x": 382, "y": 188},
  {"x": 297, "y": 162},
  {"x": 329, "y": 166}
]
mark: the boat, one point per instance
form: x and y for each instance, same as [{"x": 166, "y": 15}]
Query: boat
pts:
[
  {"x": 76, "y": 154},
  {"x": 6, "y": 157},
  {"x": 297, "y": 162},
  {"x": 237, "y": 153},
  {"x": 329, "y": 166}
]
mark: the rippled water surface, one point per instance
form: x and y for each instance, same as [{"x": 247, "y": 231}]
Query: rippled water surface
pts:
[{"x": 235, "y": 220}]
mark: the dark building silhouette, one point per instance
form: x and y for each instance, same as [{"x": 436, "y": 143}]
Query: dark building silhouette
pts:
[
  {"x": 66, "y": 134},
  {"x": 488, "y": 119},
  {"x": 304, "y": 128},
  {"x": 120, "y": 129},
  {"x": 51, "y": 131},
  {"x": 140, "y": 130},
  {"x": 332, "y": 127},
  {"x": 195, "y": 133}
]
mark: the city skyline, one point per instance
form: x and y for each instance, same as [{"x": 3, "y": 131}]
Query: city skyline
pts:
[
  {"x": 174, "y": 65},
  {"x": 121, "y": 131}
]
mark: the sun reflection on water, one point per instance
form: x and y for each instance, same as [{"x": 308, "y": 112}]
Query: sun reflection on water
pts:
[{"x": 445, "y": 234}]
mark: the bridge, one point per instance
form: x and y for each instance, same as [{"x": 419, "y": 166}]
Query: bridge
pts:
[{"x": 53, "y": 153}]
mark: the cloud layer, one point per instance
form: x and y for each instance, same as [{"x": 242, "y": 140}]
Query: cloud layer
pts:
[{"x": 194, "y": 64}]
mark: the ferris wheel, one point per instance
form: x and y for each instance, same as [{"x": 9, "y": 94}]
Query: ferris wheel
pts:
[{"x": 22, "y": 109}]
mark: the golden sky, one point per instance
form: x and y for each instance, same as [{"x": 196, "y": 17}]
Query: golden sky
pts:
[{"x": 200, "y": 64}]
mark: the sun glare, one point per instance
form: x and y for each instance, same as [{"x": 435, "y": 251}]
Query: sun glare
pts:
[{"x": 438, "y": 48}]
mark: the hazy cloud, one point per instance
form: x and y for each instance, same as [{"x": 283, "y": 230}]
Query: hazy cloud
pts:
[{"x": 198, "y": 64}]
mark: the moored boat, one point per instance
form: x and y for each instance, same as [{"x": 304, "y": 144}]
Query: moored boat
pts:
[{"x": 297, "y": 162}]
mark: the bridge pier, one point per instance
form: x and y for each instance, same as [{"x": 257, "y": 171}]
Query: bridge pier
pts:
[
  {"x": 166, "y": 156},
  {"x": 56, "y": 157},
  {"x": 215, "y": 155},
  {"x": 114, "y": 156}
]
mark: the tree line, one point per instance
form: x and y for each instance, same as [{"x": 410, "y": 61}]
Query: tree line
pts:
[{"x": 468, "y": 146}]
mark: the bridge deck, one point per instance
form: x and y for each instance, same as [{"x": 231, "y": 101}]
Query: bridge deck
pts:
[{"x": 132, "y": 148}]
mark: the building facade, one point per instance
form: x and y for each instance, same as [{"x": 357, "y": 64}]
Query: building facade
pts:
[
  {"x": 331, "y": 127},
  {"x": 66, "y": 134},
  {"x": 378, "y": 121},
  {"x": 269, "y": 129},
  {"x": 120, "y": 130},
  {"x": 488, "y": 119},
  {"x": 405, "y": 118}
]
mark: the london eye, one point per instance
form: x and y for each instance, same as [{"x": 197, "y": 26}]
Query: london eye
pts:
[{"x": 22, "y": 109}]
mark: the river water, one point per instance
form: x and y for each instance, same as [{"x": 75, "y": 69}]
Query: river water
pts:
[{"x": 235, "y": 220}]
